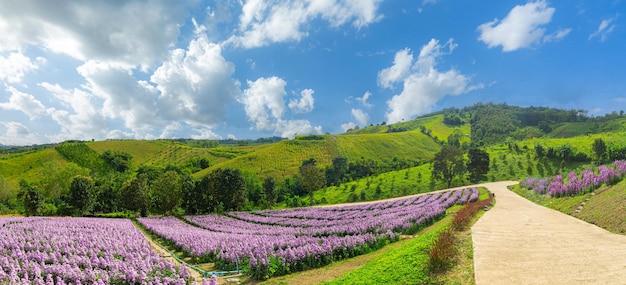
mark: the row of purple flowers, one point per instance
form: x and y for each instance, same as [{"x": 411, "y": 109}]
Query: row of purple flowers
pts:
[
  {"x": 588, "y": 180},
  {"x": 276, "y": 242},
  {"x": 45, "y": 250}
]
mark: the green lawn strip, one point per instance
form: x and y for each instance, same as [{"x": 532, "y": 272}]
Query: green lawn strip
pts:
[{"x": 407, "y": 264}]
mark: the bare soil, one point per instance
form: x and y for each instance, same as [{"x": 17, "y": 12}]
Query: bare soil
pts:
[{"x": 519, "y": 242}]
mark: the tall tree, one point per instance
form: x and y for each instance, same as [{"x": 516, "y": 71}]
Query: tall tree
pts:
[
  {"x": 166, "y": 192},
  {"x": 191, "y": 198},
  {"x": 82, "y": 196},
  {"x": 478, "y": 164},
  {"x": 337, "y": 171},
  {"x": 134, "y": 195},
  {"x": 311, "y": 178},
  {"x": 226, "y": 189},
  {"x": 448, "y": 163},
  {"x": 269, "y": 185},
  {"x": 33, "y": 202},
  {"x": 599, "y": 149}
]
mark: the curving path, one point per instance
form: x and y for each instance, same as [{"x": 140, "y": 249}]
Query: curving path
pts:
[{"x": 519, "y": 242}]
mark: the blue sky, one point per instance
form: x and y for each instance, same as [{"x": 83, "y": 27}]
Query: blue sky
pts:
[{"x": 247, "y": 69}]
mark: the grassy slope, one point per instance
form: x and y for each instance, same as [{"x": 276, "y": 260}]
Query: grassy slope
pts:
[
  {"x": 383, "y": 147},
  {"x": 565, "y": 130},
  {"x": 392, "y": 184},
  {"x": 606, "y": 208},
  {"x": 29, "y": 166},
  {"x": 283, "y": 159},
  {"x": 434, "y": 123}
]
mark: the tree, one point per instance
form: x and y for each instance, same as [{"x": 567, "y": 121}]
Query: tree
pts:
[
  {"x": 119, "y": 160},
  {"x": 269, "y": 185},
  {"x": 448, "y": 163},
  {"x": 166, "y": 192},
  {"x": 190, "y": 197},
  {"x": 134, "y": 195},
  {"x": 81, "y": 195},
  {"x": 478, "y": 164},
  {"x": 599, "y": 149},
  {"x": 337, "y": 171},
  {"x": 224, "y": 190},
  {"x": 33, "y": 202},
  {"x": 311, "y": 178}
]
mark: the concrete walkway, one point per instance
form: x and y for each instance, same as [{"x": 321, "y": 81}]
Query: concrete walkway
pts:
[{"x": 519, "y": 242}]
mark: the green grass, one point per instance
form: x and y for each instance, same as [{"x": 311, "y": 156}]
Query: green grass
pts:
[
  {"x": 392, "y": 184},
  {"x": 407, "y": 264}
]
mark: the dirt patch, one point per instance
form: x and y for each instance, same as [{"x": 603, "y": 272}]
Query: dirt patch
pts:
[{"x": 519, "y": 242}]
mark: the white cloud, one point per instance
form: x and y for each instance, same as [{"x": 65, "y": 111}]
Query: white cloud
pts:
[
  {"x": 606, "y": 27},
  {"x": 265, "y": 22},
  {"x": 205, "y": 134},
  {"x": 14, "y": 66},
  {"x": 557, "y": 36},
  {"x": 83, "y": 121},
  {"x": 264, "y": 106},
  {"x": 348, "y": 126},
  {"x": 291, "y": 128},
  {"x": 305, "y": 104},
  {"x": 360, "y": 116},
  {"x": 134, "y": 32},
  {"x": 123, "y": 97},
  {"x": 261, "y": 96},
  {"x": 363, "y": 100},
  {"x": 17, "y": 134},
  {"x": 25, "y": 103},
  {"x": 521, "y": 28},
  {"x": 195, "y": 85},
  {"x": 398, "y": 71},
  {"x": 424, "y": 85}
]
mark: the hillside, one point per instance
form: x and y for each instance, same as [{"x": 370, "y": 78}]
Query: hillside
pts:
[
  {"x": 510, "y": 135},
  {"x": 282, "y": 159}
]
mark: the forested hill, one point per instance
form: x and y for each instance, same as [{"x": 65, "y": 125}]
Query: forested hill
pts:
[
  {"x": 115, "y": 166},
  {"x": 490, "y": 123}
]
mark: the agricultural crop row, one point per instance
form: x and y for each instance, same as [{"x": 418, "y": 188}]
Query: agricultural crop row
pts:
[
  {"x": 77, "y": 251},
  {"x": 589, "y": 179},
  {"x": 271, "y": 243}
]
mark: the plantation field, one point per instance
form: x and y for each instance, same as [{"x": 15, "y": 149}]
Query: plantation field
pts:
[
  {"x": 40, "y": 250},
  {"x": 278, "y": 242},
  {"x": 29, "y": 165}
]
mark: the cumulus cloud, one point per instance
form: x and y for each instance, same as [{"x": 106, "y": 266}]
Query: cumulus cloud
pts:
[
  {"x": 81, "y": 118},
  {"x": 134, "y": 32},
  {"x": 423, "y": 85},
  {"x": 16, "y": 133},
  {"x": 25, "y": 103},
  {"x": 521, "y": 28},
  {"x": 265, "y": 22},
  {"x": 263, "y": 101},
  {"x": 348, "y": 126},
  {"x": 264, "y": 105},
  {"x": 122, "y": 96},
  {"x": 360, "y": 116},
  {"x": 195, "y": 85},
  {"x": 398, "y": 71},
  {"x": 606, "y": 27},
  {"x": 305, "y": 103},
  {"x": 14, "y": 66}
]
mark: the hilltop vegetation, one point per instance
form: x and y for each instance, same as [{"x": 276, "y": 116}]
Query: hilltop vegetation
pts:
[{"x": 374, "y": 162}]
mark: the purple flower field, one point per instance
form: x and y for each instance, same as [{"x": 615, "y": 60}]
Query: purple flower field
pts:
[
  {"x": 589, "y": 179},
  {"x": 40, "y": 250},
  {"x": 277, "y": 242}
]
